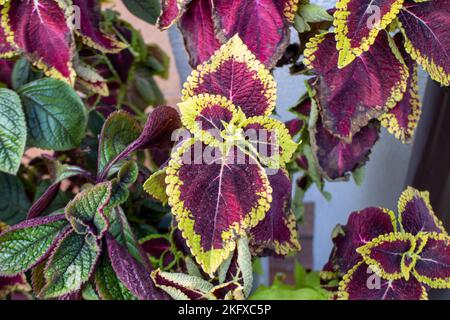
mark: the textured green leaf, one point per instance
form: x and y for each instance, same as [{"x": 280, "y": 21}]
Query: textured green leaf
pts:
[
  {"x": 14, "y": 203},
  {"x": 147, "y": 10},
  {"x": 310, "y": 13},
  {"x": 71, "y": 265},
  {"x": 13, "y": 131},
  {"x": 119, "y": 130},
  {"x": 22, "y": 248},
  {"x": 56, "y": 116},
  {"x": 109, "y": 287},
  {"x": 89, "y": 207}
]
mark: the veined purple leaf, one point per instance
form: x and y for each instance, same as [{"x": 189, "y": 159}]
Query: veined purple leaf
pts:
[
  {"x": 131, "y": 273},
  {"x": 215, "y": 198},
  {"x": 335, "y": 157},
  {"x": 349, "y": 98},
  {"x": 89, "y": 29},
  {"x": 198, "y": 31},
  {"x": 433, "y": 262},
  {"x": 276, "y": 235},
  {"x": 171, "y": 11},
  {"x": 357, "y": 24},
  {"x": 402, "y": 120},
  {"x": 233, "y": 72},
  {"x": 207, "y": 116},
  {"x": 385, "y": 254},
  {"x": 415, "y": 213},
  {"x": 255, "y": 22},
  {"x": 425, "y": 26},
  {"x": 361, "y": 228},
  {"x": 9, "y": 285},
  {"x": 28, "y": 243},
  {"x": 50, "y": 47},
  {"x": 361, "y": 283}
]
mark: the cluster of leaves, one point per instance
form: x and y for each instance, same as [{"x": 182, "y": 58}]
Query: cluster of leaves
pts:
[
  {"x": 378, "y": 256},
  {"x": 364, "y": 76},
  {"x": 217, "y": 201}
]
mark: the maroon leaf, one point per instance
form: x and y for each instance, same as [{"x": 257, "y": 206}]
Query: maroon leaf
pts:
[
  {"x": 257, "y": 23},
  {"x": 433, "y": 264},
  {"x": 89, "y": 28},
  {"x": 234, "y": 73},
  {"x": 132, "y": 274},
  {"x": 415, "y": 213},
  {"x": 349, "y": 98},
  {"x": 198, "y": 32},
  {"x": 50, "y": 47},
  {"x": 276, "y": 235},
  {"x": 425, "y": 26},
  {"x": 386, "y": 253},
  {"x": 335, "y": 157},
  {"x": 9, "y": 285},
  {"x": 215, "y": 197},
  {"x": 402, "y": 120},
  {"x": 361, "y": 283},
  {"x": 171, "y": 10}
]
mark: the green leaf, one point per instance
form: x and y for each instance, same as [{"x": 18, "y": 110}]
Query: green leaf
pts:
[
  {"x": 109, "y": 286},
  {"x": 244, "y": 261},
  {"x": 128, "y": 174},
  {"x": 13, "y": 131},
  {"x": 90, "y": 206},
  {"x": 22, "y": 248},
  {"x": 23, "y": 73},
  {"x": 300, "y": 275},
  {"x": 71, "y": 265},
  {"x": 314, "y": 13},
  {"x": 147, "y": 10},
  {"x": 310, "y": 13},
  {"x": 119, "y": 130},
  {"x": 89, "y": 293},
  {"x": 56, "y": 116},
  {"x": 120, "y": 229},
  {"x": 14, "y": 203},
  {"x": 358, "y": 175}
]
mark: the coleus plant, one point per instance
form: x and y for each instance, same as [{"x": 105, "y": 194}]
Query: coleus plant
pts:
[
  {"x": 364, "y": 74},
  {"x": 215, "y": 197},
  {"x": 381, "y": 256},
  {"x": 90, "y": 242}
]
